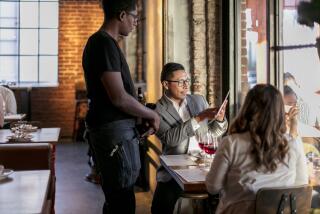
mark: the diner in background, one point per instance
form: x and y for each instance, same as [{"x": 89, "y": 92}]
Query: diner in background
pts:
[
  {"x": 257, "y": 153},
  {"x": 9, "y": 100},
  {"x": 290, "y": 100},
  {"x": 307, "y": 102},
  {"x": 182, "y": 117},
  {"x": 1, "y": 112}
]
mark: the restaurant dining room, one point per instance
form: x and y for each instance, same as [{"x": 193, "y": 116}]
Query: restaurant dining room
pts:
[{"x": 159, "y": 106}]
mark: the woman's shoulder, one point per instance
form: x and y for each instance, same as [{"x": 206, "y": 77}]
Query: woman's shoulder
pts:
[{"x": 237, "y": 139}]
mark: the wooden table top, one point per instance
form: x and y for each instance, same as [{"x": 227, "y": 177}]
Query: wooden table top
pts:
[
  {"x": 43, "y": 135},
  {"x": 191, "y": 171},
  {"x": 198, "y": 185},
  {"x": 24, "y": 192}
]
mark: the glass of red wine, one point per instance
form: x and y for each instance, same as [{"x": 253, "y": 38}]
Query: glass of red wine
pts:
[
  {"x": 210, "y": 147},
  {"x": 201, "y": 138}
]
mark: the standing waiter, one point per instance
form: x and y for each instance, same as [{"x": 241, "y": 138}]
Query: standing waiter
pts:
[{"x": 113, "y": 107}]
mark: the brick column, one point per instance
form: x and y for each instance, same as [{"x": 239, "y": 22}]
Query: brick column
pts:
[
  {"x": 205, "y": 49},
  {"x": 198, "y": 64},
  {"x": 213, "y": 52}
]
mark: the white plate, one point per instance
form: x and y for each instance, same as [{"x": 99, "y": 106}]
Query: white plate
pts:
[{"x": 6, "y": 173}]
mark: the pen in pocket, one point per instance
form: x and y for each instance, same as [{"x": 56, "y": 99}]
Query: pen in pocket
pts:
[{"x": 114, "y": 150}]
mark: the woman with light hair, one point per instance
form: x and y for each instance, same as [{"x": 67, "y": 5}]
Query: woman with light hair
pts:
[{"x": 257, "y": 153}]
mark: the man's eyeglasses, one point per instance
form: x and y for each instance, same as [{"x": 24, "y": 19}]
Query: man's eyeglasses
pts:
[
  {"x": 181, "y": 82},
  {"x": 135, "y": 16}
]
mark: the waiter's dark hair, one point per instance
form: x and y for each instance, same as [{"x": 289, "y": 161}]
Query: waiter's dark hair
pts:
[
  {"x": 112, "y": 8},
  {"x": 168, "y": 70}
]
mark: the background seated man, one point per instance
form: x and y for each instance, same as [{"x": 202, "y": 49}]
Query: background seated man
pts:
[
  {"x": 182, "y": 115},
  {"x": 290, "y": 100},
  {"x": 9, "y": 100},
  {"x": 307, "y": 102}
]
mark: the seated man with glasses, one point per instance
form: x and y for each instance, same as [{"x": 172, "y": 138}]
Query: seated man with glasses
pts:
[{"x": 182, "y": 115}]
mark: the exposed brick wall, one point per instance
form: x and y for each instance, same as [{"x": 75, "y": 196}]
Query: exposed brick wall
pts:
[
  {"x": 55, "y": 107},
  {"x": 80, "y": 18},
  {"x": 213, "y": 52},
  {"x": 244, "y": 55},
  {"x": 198, "y": 65},
  {"x": 205, "y": 49}
]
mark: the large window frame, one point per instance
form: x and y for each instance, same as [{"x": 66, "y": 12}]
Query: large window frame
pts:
[
  {"x": 35, "y": 60},
  {"x": 231, "y": 60},
  {"x": 279, "y": 60}
]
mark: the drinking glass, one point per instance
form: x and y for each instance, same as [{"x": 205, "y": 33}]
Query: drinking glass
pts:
[
  {"x": 211, "y": 147},
  {"x": 201, "y": 141}
]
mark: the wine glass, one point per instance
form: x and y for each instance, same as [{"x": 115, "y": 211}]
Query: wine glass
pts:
[
  {"x": 201, "y": 138},
  {"x": 210, "y": 147}
]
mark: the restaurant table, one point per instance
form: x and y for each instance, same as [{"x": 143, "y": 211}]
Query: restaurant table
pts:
[
  {"x": 14, "y": 117},
  {"x": 186, "y": 171},
  {"x": 24, "y": 192},
  {"x": 43, "y": 135}
]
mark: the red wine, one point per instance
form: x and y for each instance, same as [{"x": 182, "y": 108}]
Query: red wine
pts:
[
  {"x": 201, "y": 145},
  {"x": 210, "y": 149}
]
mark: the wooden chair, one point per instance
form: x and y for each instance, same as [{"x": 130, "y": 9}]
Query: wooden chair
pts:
[
  {"x": 284, "y": 200},
  {"x": 30, "y": 156}
]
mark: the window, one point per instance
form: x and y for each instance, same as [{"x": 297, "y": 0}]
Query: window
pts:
[
  {"x": 29, "y": 41},
  {"x": 176, "y": 32},
  {"x": 267, "y": 44},
  {"x": 252, "y": 44},
  {"x": 300, "y": 66}
]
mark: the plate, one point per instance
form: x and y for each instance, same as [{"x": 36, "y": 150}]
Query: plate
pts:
[{"x": 6, "y": 173}]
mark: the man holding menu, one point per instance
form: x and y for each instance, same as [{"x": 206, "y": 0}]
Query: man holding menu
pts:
[{"x": 182, "y": 116}]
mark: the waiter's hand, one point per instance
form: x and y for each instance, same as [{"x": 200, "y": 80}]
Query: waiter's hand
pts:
[{"x": 155, "y": 122}]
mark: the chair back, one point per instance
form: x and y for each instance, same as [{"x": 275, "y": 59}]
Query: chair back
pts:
[
  {"x": 284, "y": 200},
  {"x": 31, "y": 156},
  {"x": 25, "y": 156}
]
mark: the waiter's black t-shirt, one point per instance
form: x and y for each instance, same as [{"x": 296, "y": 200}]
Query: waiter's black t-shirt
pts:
[{"x": 102, "y": 54}]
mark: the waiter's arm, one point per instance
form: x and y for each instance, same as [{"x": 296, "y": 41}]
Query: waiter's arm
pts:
[{"x": 113, "y": 84}]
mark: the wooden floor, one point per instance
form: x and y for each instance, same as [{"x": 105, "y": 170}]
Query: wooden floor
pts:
[{"x": 75, "y": 195}]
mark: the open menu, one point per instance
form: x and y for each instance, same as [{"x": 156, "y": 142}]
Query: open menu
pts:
[
  {"x": 178, "y": 160},
  {"x": 192, "y": 175}
]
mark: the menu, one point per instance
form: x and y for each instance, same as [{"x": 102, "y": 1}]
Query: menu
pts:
[
  {"x": 178, "y": 160},
  {"x": 192, "y": 175}
]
